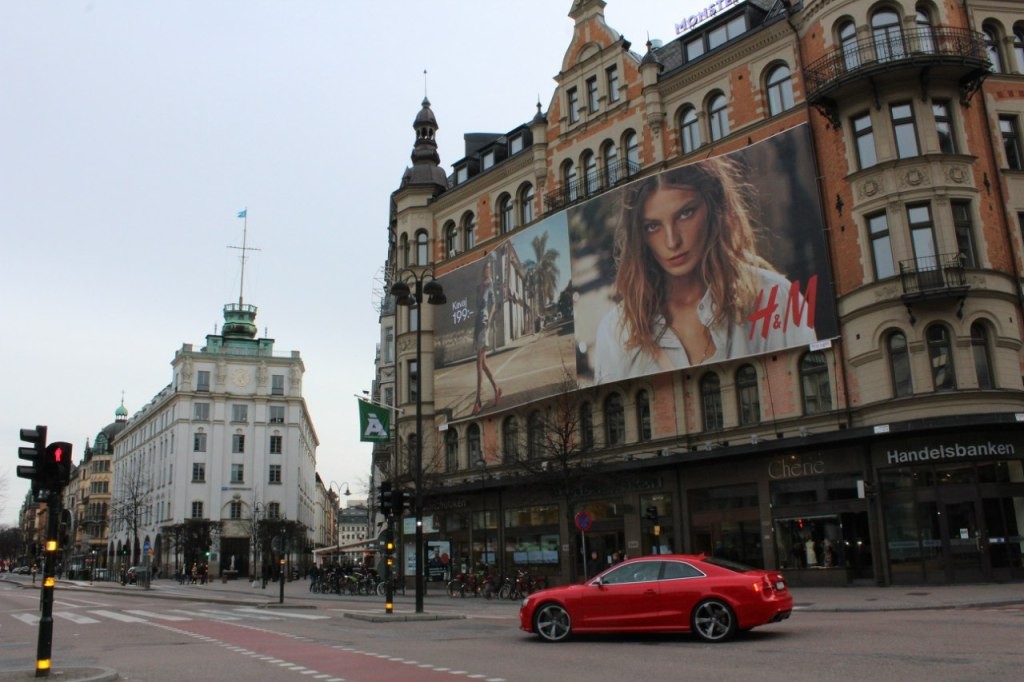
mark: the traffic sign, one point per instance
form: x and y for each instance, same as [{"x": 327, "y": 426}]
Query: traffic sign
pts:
[{"x": 583, "y": 521}]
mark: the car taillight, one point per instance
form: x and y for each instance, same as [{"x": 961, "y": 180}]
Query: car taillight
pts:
[{"x": 766, "y": 584}]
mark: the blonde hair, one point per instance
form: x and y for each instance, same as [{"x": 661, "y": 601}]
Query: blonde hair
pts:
[{"x": 726, "y": 266}]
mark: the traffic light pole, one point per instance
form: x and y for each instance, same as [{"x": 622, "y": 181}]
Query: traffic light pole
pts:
[{"x": 45, "y": 644}]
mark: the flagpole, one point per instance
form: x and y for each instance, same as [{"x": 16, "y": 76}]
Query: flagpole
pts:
[{"x": 245, "y": 236}]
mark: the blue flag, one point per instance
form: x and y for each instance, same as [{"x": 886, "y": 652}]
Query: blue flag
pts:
[{"x": 243, "y": 212}]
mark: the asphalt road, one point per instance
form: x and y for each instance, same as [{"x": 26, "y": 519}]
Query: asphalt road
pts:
[{"x": 179, "y": 635}]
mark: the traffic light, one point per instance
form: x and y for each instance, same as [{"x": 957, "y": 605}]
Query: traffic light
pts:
[
  {"x": 34, "y": 453},
  {"x": 57, "y": 465},
  {"x": 386, "y": 498},
  {"x": 399, "y": 502}
]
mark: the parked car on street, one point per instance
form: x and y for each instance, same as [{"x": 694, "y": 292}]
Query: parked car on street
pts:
[
  {"x": 23, "y": 570},
  {"x": 712, "y": 598}
]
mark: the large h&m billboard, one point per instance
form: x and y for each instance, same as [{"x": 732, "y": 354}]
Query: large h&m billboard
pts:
[{"x": 703, "y": 263}]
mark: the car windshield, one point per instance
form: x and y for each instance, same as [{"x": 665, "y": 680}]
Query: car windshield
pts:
[{"x": 729, "y": 565}]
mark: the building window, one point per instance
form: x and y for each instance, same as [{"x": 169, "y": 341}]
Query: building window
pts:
[
  {"x": 881, "y": 246},
  {"x": 451, "y": 449},
  {"x": 611, "y": 163},
  {"x": 412, "y": 322},
  {"x": 612, "y": 73},
  {"x": 240, "y": 413},
  {"x": 274, "y": 476},
  {"x": 510, "y": 439},
  {"x": 515, "y": 145},
  {"x": 238, "y": 443},
  {"x": 694, "y": 48},
  {"x": 198, "y": 472},
  {"x": 922, "y": 236},
  {"x": 992, "y": 48},
  {"x": 722, "y": 34},
  {"x": 203, "y": 381},
  {"x": 573, "y": 98},
  {"x": 944, "y": 126},
  {"x": 274, "y": 510},
  {"x": 569, "y": 179},
  {"x": 632, "y": 145},
  {"x": 414, "y": 381},
  {"x": 718, "y": 114},
  {"x": 237, "y": 473},
  {"x": 526, "y": 196},
  {"x": 817, "y": 391},
  {"x": 592, "y": 101},
  {"x": 277, "y": 414},
  {"x": 885, "y": 31},
  {"x": 451, "y": 238},
  {"x": 473, "y": 442},
  {"x": 488, "y": 160},
  {"x": 468, "y": 231},
  {"x": 643, "y": 415},
  {"x": 982, "y": 361},
  {"x": 235, "y": 510},
  {"x": 864, "y": 136},
  {"x": 940, "y": 353},
  {"x": 197, "y": 510},
  {"x": 747, "y": 395},
  {"x": 276, "y": 445},
  {"x": 534, "y": 436},
  {"x": 1010, "y": 131},
  {"x": 199, "y": 442},
  {"x": 1018, "y": 48},
  {"x": 614, "y": 421},
  {"x": 904, "y": 130},
  {"x": 964, "y": 228},
  {"x": 899, "y": 365},
  {"x": 587, "y": 426},
  {"x": 848, "y": 44},
  {"x": 201, "y": 411},
  {"x": 505, "y": 213},
  {"x": 689, "y": 126},
  {"x": 388, "y": 351},
  {"x": 591, "y": 178},
  {"x": 277, "y": 384},
  {"x": 780, "y": 90},
  {"x": 711, "y": 400},
  {"x": 422, "y": 256},
  {"x": 926, "y": 35}
]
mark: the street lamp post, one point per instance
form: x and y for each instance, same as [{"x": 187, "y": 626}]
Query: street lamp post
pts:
[{"x": 423, "y": 283}]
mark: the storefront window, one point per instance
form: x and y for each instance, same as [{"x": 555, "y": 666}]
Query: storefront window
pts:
[
  {"x": 726, "y": 522},
  {"x": 658, "y": 531},
  {"x": 830, "y": 541},
  {"x": 531, "y": 537}
]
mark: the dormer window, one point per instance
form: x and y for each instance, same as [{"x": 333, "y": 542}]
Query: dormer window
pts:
[
  {"x": 461, "y": 175},
  {"x": 488, "y": 159},
  {"x": 515, "y": 145}
]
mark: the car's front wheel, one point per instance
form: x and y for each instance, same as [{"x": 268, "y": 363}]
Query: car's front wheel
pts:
[
  {"x": 552, "y": 622},
  {"x": 713, "y": 621}
]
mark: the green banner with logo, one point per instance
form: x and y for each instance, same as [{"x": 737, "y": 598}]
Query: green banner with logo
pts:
[{"x": 374, "y": 422}]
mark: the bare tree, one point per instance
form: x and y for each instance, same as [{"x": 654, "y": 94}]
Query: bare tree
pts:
[{"x": 131, "y": 500}]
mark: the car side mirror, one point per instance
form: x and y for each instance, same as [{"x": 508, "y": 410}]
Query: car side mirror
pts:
[{"x": 598, "y": 582}]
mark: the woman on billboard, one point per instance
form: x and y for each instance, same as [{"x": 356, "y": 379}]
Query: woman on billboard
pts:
[
  {"x": 690, "y": 286},
  {"x": 486, "y": 305}
]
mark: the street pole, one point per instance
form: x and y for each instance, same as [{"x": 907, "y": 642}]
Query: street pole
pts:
[
  {"x": 44, "y": 645},
  {"x": 420, "y": 564}
]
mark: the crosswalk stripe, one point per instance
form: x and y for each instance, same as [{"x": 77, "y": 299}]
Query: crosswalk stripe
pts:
[
  {"x": 75, "y": 617},
  {"x": 209, "y": 613},
  {"x": 286, "y": 614},
  {"x": 158, "y": 616},
  {"x": 27, "y": 618},
  {"x": 114, "y": 615}
]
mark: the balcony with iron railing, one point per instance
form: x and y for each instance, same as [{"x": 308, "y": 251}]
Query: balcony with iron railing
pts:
[
  {"x": 590, "y": 185},
  {"x": 960, "y": 53},
  {"x": 935, "y": 278}
]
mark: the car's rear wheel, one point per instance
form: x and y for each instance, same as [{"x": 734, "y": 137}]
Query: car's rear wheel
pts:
[
  {"x": 552, "y": 622},
  {"x": 713, "y": 621}
]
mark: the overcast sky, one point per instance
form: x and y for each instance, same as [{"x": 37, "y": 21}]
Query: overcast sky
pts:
[{"x": 132, "y": 133}]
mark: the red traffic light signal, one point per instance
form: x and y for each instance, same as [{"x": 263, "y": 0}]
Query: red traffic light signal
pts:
[{"x": 58, "y": 464}]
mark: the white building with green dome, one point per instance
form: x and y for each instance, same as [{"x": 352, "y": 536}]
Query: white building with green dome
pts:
[{"x": 224, "y": 453}]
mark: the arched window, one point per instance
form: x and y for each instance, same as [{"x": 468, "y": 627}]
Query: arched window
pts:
[
  {"x": 422, "y": 256},
  {"x": 534, "y": 436},
  {"x": 780, "y": 90},
  {"x": 451, "y": 449},
  {"x": 982, "y": 360},
  {"x": 403, "y": 244},
  {"x": 611, "y": 163},
  {"x": 632, "y": 145},
  {"x": 718, "y": 115},
  {"x": 747, "y": 397},
  {"x": 569, "y": 179},
  {"x": 689, "y": 130},
  {"x": 899, "y": 365},
  {"x": 643, "y": 415},
  {"x": 886, "y": 34},
  {"x": 925, "y": 33},
  {"x": 848, "y": 44},
  {"x": 591, "y": 179},
  {"x": 473, "y": 442},
  {"x": 468, "y": 233},
  {"x": 940, "y": 352},
  {"x": 451, "y": 238},
  {"x": 526, "y": 204},
  {"x": 817, "y": 390},
  {"x": 992, "y": 48},
  {"x": 614, "y": 421},
  {"x": 1018, "y": 47},
  {"x": 587, "y": 426},
  {"x": 505, "y": 213},
  {"x": 510, "y": 439},
  {"x": 711, "y": 401}
]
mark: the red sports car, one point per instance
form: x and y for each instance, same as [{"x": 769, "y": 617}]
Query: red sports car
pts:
[{"x": 711, "y": 597}]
